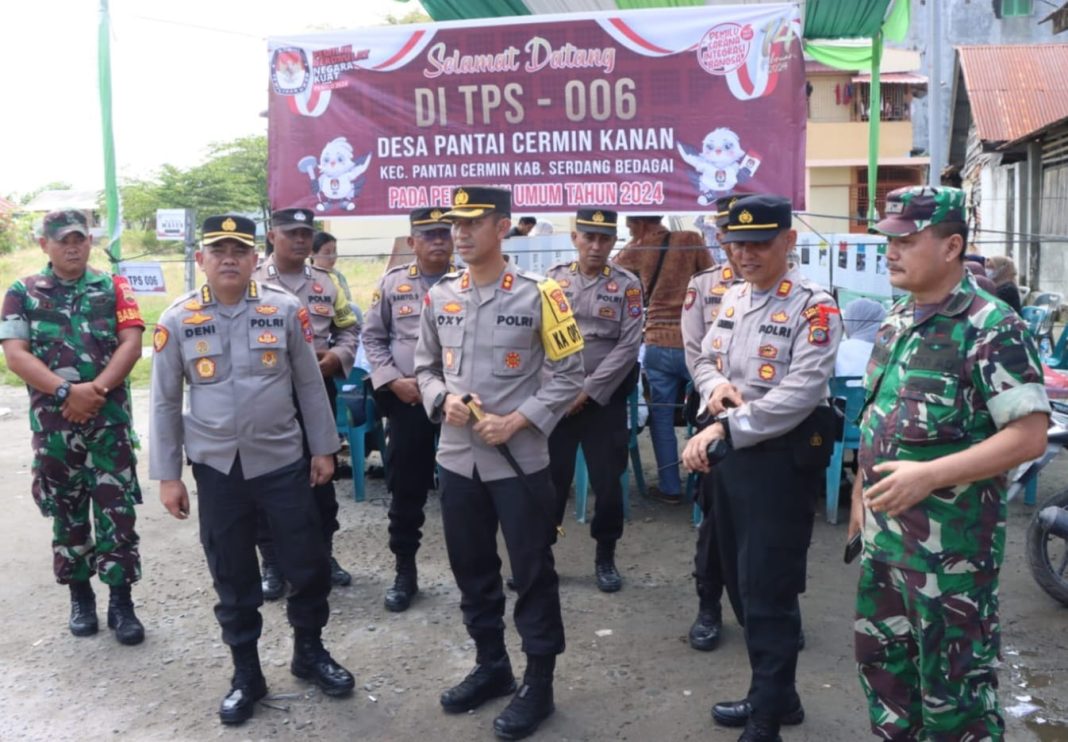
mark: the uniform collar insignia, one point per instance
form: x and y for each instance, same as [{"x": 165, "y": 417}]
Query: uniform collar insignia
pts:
[
  {"x": 272, "y": 271},
  {"x": 784, "y": 288},
  {"x": 961, "y": 298},
  {"x": 206, "y": 297},
  {"x": 573, "y": 267},
  {"x": 253, "y": 291},
  {"x": 413, "y": 270},
  {"x": 507, "y": 281},
  {"x": 307, "y": 271},
  {"x": 727, "y": 274},
  {"x": 606, "y": 271},
  {"x": 465, "y": 280}
]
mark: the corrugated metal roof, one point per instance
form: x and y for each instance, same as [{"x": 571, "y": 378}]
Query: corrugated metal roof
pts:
[{"x": 1015, "y": 90}]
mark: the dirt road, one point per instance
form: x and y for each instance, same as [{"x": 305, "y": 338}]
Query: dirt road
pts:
[{"x": 628, "y": 673}]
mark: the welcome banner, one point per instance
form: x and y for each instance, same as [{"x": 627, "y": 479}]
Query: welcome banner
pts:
[{"x": 646, "y": 112}]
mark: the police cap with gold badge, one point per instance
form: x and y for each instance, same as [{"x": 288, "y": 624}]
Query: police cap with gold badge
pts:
[
  {"x": 723, "y": 208},
  {"x": 228, "y": 227},
  {"x": 599, "y": 221},
  {"x": 289, "y": 219},
  {"x": 475, "y": 201},
  {"x": 758, "y": 218},
  {"x": 425, "y": 220}
]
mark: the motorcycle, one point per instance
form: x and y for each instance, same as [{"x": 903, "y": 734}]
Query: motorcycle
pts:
[{"x": 1047, "y": 534}]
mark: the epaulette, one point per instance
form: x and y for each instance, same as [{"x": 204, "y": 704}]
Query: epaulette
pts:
[
  {"x": 401, "y": 267},
  {"x": 625, "y": 272},
  {"x": 529, "y": 275},
  {"x": 183, "y": 298},
  {"x": 268, "y": 287}
]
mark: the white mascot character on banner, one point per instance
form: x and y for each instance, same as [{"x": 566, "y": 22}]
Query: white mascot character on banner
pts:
[
  {"x": 340, "y": 178},
  {"x": 721, "y": 164}
]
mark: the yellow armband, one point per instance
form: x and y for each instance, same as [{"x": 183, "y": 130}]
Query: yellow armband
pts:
[{"x": 560, "y": 335}]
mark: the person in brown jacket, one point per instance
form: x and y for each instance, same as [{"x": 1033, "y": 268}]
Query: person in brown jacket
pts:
[{"x": 664, "y": 260}]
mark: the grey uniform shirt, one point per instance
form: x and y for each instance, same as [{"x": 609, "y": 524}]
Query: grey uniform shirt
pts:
[
  {"x": 391, "y": 325},
  {"x": 488, "y": 341},
  {"x": 778, "y": 350},
  {"x": 243, "y": 364},
  {"x": 608, "y": 308},
  {"x": 704, "y": 294},
  {"x": 332, "y": 318}
]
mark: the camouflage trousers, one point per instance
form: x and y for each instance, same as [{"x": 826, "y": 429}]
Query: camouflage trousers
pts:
[
  {"x": 926, "y": 646},
  {"x": 73, "y": 472}
]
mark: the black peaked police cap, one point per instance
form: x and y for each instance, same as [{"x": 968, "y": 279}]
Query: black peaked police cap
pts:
[
  {"x": 475, "y": 201},
  {"x": 423, "y": 220},
  {"x": 228, "y": 227},
  {"x": 758, "y": 218},
  {"x": 601, "y": 221}
]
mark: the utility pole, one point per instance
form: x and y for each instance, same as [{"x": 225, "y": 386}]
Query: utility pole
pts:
[{"x": 936, "y": 139}]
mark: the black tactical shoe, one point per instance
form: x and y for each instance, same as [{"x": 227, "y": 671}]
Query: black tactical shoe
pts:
[
  {"x": 737, "y": 713},
  {"x": 271, "y": 581},
  {"x": 608, "y": 579},
  {"x": 83, "y": 620},
  {"x": 246, "y": 687},
  {"x": 758, "y": 729},
  {"x": 338, "y": 576},
  {"x": 312, "y": 662},
  {"x": 399, "y": 597},
  {"x": 704, "y": 634},
  {"x": 121, "y": 617},
  {"x": 528, "y": 708},
  {"x": 488, "y": 680}
]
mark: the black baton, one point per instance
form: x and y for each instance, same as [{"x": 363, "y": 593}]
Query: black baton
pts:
[{"x": 507, "y": 454}]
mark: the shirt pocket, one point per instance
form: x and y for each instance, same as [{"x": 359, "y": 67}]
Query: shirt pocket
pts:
[
  {"x": 405, "y": 320},
  {"x": 768, "y": 364},
  {"x": 321, "y": 309},
  {"x": 605, "y": 321},
  {"x": 205, "y": 360},
  {"x": 511, "y": 351},
  {"x": 452, "y": 349},
  {"x": 267, "y": 351},
  {"x": 930, "y": 410}
]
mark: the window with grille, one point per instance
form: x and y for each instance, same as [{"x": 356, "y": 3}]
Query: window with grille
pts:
[
  {"x": 895, "y": 102},
  {"x": 889, "y": 179}
]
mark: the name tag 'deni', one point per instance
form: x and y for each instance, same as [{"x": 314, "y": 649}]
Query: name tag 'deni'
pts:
[{"x": 560, "y": 334}]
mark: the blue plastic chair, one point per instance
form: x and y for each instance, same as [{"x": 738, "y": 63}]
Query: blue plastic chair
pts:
[
  {"x": 355, "y": 388},
  {"x": 582, "y": 474},
  {"x": 851, "y": 390},
  {"x": 1035, "y": 318}
]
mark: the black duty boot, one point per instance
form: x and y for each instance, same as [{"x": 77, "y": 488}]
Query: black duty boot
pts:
[
  {"x": 246, "y": 686},
  {"x": 532, "y": 704},
  {"x": 121, "y": 617},
  {"x": 338, "y": 575},
  {"x": 759, "y": 729},
  {"x": 405, "y": 585},
  {"x": 312, "y": 662},
  {"x": 491, "y": 678},
  {"x": 608, "y": 579},
  {"x": 271, "y": 580},
  {"x": 82, "y": 609},
  {"x": 704, "y": 634}
]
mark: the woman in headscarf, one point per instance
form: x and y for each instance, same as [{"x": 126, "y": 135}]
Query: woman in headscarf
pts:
[
  {"x": 862, "y": 319},
  {"x": 1002, "y": 271}
]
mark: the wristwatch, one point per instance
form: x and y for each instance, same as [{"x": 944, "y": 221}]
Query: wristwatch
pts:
[{"x": 62, "y": 392}]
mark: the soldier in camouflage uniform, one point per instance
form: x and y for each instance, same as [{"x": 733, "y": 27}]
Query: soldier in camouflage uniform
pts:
[
  {"x": 704, "y": 294},
  {"x": 73, "y": 334},
  {"x": 954, "y": 398}
]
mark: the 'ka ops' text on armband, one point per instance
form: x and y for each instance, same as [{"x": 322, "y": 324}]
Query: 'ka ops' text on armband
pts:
[{"x": 560, "y": 335}]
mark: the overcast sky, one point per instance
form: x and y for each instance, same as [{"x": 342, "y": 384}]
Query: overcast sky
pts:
[{"x": 185, "y": 73}]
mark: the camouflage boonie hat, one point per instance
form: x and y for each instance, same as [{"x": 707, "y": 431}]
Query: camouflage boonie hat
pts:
[{"x": 913, "y": 209}]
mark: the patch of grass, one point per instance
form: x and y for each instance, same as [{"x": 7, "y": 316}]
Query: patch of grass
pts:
[{"x": 362, "y": 275}]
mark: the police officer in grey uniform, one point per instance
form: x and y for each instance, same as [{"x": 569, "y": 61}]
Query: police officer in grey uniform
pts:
[
  {"x": 337, "y": 333},
  {"x": 245, "y": 350},
  {"x": 607, "y": 302},
  {"x": 390, "y": 332},
  {"x": 763, "y": 370},
  {"x": 507, "y": 338},
  {"x": 703, "y": 296}
]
